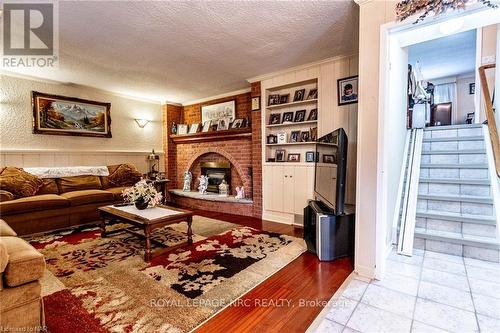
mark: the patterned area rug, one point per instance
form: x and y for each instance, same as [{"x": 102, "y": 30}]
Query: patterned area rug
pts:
[{"x": 103, "y": 285}]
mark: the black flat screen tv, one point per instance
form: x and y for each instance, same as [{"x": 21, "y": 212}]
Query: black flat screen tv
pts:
[{"x": 330, "y": 173}]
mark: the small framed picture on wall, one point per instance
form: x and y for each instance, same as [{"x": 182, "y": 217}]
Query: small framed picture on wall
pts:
[
  {"x": 255, "y": 103},
  {"x": 347, "y": 90}
]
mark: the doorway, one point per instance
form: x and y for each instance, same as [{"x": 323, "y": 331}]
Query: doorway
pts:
[{"x": 395, "y": 43}]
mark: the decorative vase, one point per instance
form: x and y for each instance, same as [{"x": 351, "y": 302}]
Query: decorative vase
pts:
[{"x": 141, "y": 204}]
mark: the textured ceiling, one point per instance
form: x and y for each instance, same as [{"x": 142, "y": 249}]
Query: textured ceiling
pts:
[
  {"x": 180, "y": 51},
  {"x": 446, "y": 56}
]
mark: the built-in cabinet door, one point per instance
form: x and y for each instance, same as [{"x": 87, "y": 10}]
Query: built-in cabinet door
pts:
[
  {"x": 303, "y": 188},
  {"x": 273, "y": 187},
  {"x": 289, "y": 189}
]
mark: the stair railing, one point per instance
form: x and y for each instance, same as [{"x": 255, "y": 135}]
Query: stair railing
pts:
[{"x": 490, "y": 116}]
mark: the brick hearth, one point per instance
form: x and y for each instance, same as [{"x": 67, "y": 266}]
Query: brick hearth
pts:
[{"x": 244, "y": 154}]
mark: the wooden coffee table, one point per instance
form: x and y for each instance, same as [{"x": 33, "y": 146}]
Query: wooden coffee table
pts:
[{"x": 148, "y": 220}]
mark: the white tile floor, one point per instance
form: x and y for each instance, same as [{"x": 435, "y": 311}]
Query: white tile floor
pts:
[{"x": 429, "y": 292}]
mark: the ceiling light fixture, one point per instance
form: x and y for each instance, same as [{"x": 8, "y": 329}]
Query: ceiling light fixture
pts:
[
  {"x": 141, "y": 122},
  {"x": 451, "y": 26}
]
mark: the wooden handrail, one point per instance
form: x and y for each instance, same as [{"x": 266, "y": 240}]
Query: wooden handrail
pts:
[{"x": 490, "y": 116}]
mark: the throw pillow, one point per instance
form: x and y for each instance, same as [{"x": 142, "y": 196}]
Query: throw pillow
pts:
[
  {"x": 125, "y": 175},
  {"x": 19, "y": 182}
]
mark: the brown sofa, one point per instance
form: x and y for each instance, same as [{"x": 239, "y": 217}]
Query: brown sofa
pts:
[
  {"x": 21, "y": 267},
  {"x": 59, "y": 203}
]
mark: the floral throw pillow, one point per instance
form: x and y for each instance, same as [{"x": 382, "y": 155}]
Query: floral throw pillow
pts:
[
  {"x": 19, "y": 182},
  {"x": 125, "y": 175}
]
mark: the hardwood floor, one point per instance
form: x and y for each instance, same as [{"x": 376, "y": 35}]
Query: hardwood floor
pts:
[{"x": 279, "y": 303}]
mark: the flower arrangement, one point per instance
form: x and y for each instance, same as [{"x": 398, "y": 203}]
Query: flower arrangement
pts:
[
  {"x": 143, "y": 194},
  {"x": 407, "y": 8}
]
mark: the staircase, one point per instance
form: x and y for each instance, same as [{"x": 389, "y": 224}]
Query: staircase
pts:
[{"x": 455, "y": 207}]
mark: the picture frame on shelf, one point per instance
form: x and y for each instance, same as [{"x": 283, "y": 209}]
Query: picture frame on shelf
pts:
[
  {"x": 182, "y": 129},
  {"x": 223, "y": 124},
  {"x": 279, "y": 155},
  {"x": 281, "y": 137},
  {"x": 284, "y": 98},
  {"x": 347, "y": 90},
  {"x": 288, "y": 117},
  {"x": 193, "y": 128},
  {"x": 330, "y": 159},
  {"x": 271, "y": 139},
  {"x": 305, "y": 136},
  {"x": 314, "y": 133},
  {"x": 273, "y": 99},
  {"x": 313, "y": 115},
  {"x": 245, "y": 123},
  {"x": 311, "y": 156},
  {"x": 237, "y": 123},
  {"x": 299, "y": 95},
  {"x": 295, "y": 157},
  {"x": 313, "y": 94},
  {"x": 275, "y": 118},
  {"x": 206, "y": 126},
  {"x": 295, "y": 136},
  {"x": 300, "y": 116},
  {"x": 255, "y": 103},
  {"x": 218, "y": 111}
]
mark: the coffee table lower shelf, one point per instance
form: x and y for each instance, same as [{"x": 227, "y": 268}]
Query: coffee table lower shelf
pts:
[{"x": 110, "y": 214}]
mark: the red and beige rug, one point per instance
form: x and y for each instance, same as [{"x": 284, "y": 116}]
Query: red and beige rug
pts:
[{"x": 103, "y": 285}]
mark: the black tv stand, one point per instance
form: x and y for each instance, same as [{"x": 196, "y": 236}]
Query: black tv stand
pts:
[{"x": 328, "y": 235}]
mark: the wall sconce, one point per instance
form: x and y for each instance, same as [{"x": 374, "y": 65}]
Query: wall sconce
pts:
[{"x": 141, "y": 122}]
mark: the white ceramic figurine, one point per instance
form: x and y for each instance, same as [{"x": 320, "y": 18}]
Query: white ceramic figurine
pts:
[
  {"x": 202, "y": 189},
  {"x": 188, "y": 176}
]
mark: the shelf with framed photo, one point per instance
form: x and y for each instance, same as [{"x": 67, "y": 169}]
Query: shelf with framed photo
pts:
[{"x": 229, "y": 134}]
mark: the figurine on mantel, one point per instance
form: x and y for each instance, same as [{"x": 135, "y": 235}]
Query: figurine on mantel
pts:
[
  {"x": 240, "y": 192},
  {"x": 223, "y": 189},
  {"x": 202, "y": 189},
  {"x": 188, "y": 176},
  {"x": 174, "y": 128}
]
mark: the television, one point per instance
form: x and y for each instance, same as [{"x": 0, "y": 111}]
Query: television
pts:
[{"x": 330, "y": 173}]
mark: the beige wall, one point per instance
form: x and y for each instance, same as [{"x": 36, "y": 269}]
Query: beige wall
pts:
[
  {"x": 19, "y": 146},
  {"x": 372, "y": 15},
  {"x": 488, "y": 56},
  {"x": 465, "y": 101}
]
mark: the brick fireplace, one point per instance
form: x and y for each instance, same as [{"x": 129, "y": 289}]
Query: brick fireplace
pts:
[{"x": 241, "y": 152}]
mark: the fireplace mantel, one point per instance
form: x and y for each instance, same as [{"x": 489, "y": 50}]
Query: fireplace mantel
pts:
[
  {"x": 232, "y": 134},
  {"x": 210, "y": 197}
]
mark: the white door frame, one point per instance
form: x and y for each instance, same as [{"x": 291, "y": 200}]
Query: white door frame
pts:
[{"x": 405, "y": 34}]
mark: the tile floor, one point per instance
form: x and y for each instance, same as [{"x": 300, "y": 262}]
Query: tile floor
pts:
[{"x": 429, "y": 292}]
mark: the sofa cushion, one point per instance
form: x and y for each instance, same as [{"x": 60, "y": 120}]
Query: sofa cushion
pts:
[
  {"x": 19, "y": 182},
  {"x": 4, "y": 259},
  {"x": 78, "y": 183},
  {"x": 117, "y": 192},
  {"x": 6, "y": 196},
  {"x": 5, "y": 229},
  {"x": 125, "y": 175},
  {"x": 25, "y": 263},
  {"x": 78, "y": 198},
  {"x": 33, "y": 204},
  {"x": 105, "y": 179},
  {"x": 15, "y": 297},
  {"x": 49, "y": 187}
]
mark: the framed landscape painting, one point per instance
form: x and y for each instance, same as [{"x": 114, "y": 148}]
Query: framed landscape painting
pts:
[{"x": 59, "y": 115}]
